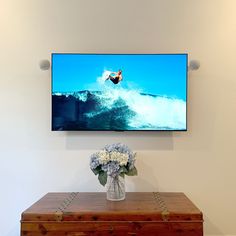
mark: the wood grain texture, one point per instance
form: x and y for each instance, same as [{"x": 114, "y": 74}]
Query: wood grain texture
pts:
[{"x": 74, "y": 214}]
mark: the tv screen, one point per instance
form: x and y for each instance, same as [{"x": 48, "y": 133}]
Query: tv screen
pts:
[{"x": 119, "y": 92}]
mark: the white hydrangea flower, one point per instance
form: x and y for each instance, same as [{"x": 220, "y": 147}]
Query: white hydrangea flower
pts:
[
  {"x": 103, "y": 157},
  {"x": 120, "y": 158}
]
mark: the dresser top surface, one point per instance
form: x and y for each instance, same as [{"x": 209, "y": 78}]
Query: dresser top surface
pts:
[{"x": 92, "y": 206}]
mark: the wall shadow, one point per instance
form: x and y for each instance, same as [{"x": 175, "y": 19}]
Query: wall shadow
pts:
[
  {"x": 137, "y": 140},
  {"x": 211, "y": 228}
]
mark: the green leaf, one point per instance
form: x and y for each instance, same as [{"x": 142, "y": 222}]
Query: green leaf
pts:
[
  {"x": 132, "y": 172},
  {"x": 102, "y": 177},
  {"x": 97, "y": 170},
  {"x": 123, "y": 169}
]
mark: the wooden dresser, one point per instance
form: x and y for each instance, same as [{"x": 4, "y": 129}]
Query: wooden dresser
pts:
[{"x": 141, "y": 213}]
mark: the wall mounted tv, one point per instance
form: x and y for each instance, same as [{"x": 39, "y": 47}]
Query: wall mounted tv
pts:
[{"x": 119, "y": 92}]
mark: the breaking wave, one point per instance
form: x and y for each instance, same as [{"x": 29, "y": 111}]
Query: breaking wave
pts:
[{"x": 117, "y": 109}]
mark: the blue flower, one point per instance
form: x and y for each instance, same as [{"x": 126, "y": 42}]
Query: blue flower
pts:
[
  {"x": 113, "y": 169},
  {"x": 94, "y": 163}
]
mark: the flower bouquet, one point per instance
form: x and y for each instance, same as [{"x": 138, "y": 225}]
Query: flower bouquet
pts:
[{"x": 111, "y": 164}]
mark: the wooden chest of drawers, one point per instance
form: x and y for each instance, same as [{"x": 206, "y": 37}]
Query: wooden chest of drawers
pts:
[{"x": 77, "y": 214}]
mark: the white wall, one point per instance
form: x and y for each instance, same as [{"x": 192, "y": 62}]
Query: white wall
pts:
[{"x": 200, "y": 162}]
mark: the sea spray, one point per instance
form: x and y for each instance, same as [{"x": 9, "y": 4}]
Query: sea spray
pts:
[{"x": 101, "y": 80}]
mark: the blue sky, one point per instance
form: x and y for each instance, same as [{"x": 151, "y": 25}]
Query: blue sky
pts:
[{"x": 153, "y": 74}]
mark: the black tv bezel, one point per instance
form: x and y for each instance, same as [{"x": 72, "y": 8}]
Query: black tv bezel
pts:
[{"x": 119, "y": 130}]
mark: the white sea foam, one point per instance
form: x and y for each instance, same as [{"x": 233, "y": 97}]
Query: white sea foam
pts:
[
  {"x": 157, "y": 112},
  {"x": 101, "y": 80},
  {"x": 81, "y": 96},
  {"x": 151, "y": 111}
]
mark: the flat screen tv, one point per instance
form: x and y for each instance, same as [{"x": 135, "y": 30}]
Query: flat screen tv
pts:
[{"x": 119, "y": 92}]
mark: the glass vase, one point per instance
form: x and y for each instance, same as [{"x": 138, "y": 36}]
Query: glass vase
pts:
[{"x": 115, "y": 188}]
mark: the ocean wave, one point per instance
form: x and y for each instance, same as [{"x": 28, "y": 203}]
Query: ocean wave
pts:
[
  {"x": 135, "y": 110},
  {"x": 151, "y": 112}
]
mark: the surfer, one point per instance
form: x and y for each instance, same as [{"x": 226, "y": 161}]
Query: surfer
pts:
[{"x": 115, "y": 77}]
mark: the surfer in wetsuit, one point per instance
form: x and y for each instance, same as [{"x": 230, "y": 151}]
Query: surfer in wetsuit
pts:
[{"x": 116, "y": 78}]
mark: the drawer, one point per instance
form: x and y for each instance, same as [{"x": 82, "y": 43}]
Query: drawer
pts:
[{"x": 111, "y": 228}]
